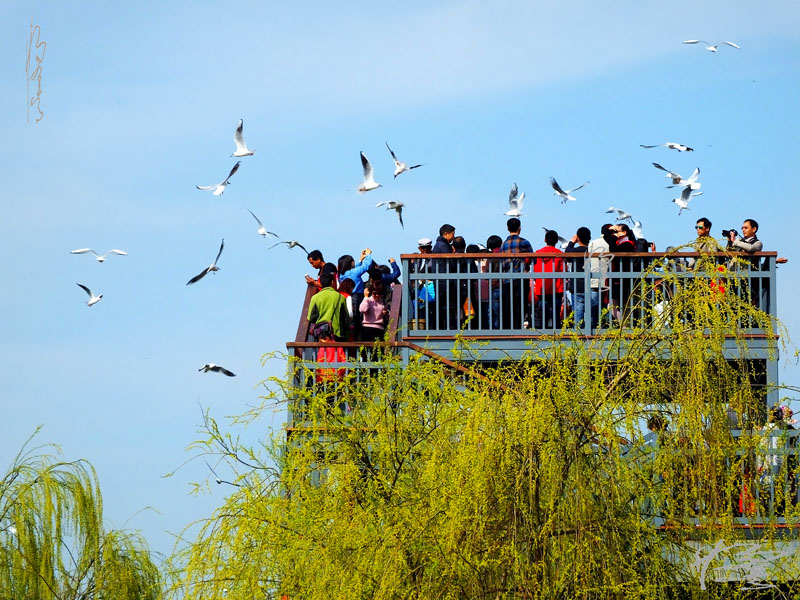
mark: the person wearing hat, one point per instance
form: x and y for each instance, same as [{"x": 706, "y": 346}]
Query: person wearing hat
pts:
[{"x": 423, "y": 301}]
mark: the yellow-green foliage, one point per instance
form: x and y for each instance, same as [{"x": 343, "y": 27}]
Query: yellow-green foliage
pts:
[
  {"x": 52, "y": 542},
  {"x": 525, "y": 479}
]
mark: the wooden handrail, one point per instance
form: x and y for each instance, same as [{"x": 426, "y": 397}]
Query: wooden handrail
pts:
[
  {"x": 496, "y": 255},
  {"x": 302, "y": 326},
  {"x": 394, "y": 312}
]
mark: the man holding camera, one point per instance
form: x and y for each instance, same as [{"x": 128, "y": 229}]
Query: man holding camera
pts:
[{"x": 748, "y": 243}]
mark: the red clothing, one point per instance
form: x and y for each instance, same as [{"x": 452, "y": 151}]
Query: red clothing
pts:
[
  {"x": 330, "y": 354},
  {"x": 548, "y": 265}
]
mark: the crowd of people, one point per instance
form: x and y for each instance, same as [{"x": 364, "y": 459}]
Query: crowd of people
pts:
[
  {"x": 545, "y": 302},
  {"x": 348, "y": 308}
]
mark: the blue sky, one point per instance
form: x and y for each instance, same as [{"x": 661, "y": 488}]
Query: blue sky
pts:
[{"x": 140, "y": 102}]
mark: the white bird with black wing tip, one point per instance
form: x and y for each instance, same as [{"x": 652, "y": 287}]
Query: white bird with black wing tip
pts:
[
  {"x": 621, "y": 214},
  {"x": 92, "y": 298},
  {"x": 678, "y": 180},
  {"x": 369, "y": 177},
  {"x": 100, "y": 257},
  {"x": 686, "y": 196},
  {"x": 216, "y": 369},
  {"x": 238, "y": 139},
  {"x": 209, "y": 269},
  {"x": 400, "y": 167},
  {"x": 671, "y": 146},
  {"x": 220, "y": 187},
  {"x": 515, "y": 202},
  {"x": 565, "y": 194},
  {"x": 290, "y": 244},
  {"x": 396, "y": 207},
  {"x": 262, "y": 231},
  {"x": 712, "y": 47}
]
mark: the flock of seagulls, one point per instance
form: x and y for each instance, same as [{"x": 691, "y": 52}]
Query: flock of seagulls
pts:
[
  {"x": 690, "y": 186},
  {"x": 218, "y": 189},
  {"x": 368, "y": 182}
]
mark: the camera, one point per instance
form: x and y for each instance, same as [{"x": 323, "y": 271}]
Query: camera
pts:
[{"x": 727, "y": 233}]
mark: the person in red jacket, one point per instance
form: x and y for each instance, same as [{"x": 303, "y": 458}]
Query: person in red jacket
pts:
[{"x": 548, "y": 294}]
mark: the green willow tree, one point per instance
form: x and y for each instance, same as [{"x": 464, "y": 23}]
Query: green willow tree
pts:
[
  {"x": 534, "y": 478},
  {"x": 52, "y": 542}
]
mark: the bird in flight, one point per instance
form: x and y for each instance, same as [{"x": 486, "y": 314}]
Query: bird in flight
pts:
[
  {"x": 262, "y": 231},
  {"x": 289, "y": 244},
  {"x": 515, "y": 201},
  {"x": 621, "y": 214},
  {"x": 395, "y": 206},
  {"x": 216, "y": 369},
  {"x": 712, "y": 47},
  {"x": 686, "y": 195},
  {"x": 92, "y": 298},
  {"x": 238, "y": 139},
  {"x": 220, "y": 187},
  {"x": 100, "y": 257},
  {"x": 369, "y": 179},
  {"x": 678, "y": 180},
  {"x": 400, "y": 167},
  {"x": 637, "y": 229},
  {"x": 209, "y": 269},
  {"x": 671, "y": 146},
  {"x": 565, "y": 195}
]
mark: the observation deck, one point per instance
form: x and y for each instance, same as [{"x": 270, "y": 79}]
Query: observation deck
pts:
[
  {"x": 519, "y": 306},
  {"x": 465, "y": 310}
]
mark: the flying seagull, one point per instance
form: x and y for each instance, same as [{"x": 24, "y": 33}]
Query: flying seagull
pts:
[
  {"x": 686, "y": 195},
  {"x": 565, "y": 195},
  {"x": 220, "y": 187},
  {"x": 216, "y": 368},
  {"x": 678, "y": 180},
  {"x": 637, "y": 229},
  {"x": 241, "y": 146},
  {"x": 289, "y": 244},
  {"x": 369, "y": 179},
  {"x": 100, "y": 257},
  {"x": 92, "y": 298},
  {"x": 261, "y": 229},
  {"x": 400, "y": 167},
  {"x": 671, "y": 146},
  {"x": 208, "y": 269},
  {"x": 621, "y": 214},
  {"x": 515, "y": 201},
  {"x": 395, "y": 206},
  {"x": 712, "y": 47}
]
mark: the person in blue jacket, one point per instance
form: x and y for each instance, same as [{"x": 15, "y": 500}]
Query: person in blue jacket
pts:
[{"x": 349, "y": 269}]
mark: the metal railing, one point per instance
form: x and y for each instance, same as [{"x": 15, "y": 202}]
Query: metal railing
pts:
[
  {"x": 761, "y": 472},
  {"x": 496, "y": 294}
]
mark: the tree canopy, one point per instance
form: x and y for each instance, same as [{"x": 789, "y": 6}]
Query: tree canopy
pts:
[
  {"x": 531, "y": 478},
  {"x": 53, "y": 545}
]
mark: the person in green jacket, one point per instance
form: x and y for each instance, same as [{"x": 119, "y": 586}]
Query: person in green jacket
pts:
[{"x": 330, "y": 305}]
